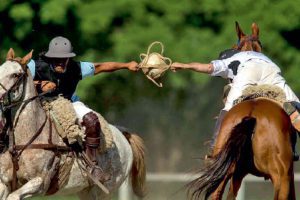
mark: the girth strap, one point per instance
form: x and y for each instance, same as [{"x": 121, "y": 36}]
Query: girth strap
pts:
[
  {"x": 31, "y": 139},
  {"x": 51, "y": 147},
  {"x": 17, "y": 153}
]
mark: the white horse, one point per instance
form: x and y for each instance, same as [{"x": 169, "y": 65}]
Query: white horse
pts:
[{"x": 36, "y": 167}]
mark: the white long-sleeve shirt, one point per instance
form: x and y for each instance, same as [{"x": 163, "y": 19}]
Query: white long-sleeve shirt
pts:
[
  {"x": 250, "y": 68},
  {"x": 223, "y": 67}
]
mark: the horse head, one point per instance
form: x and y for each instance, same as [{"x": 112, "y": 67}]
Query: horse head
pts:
[
  {"x": 12, "y": 72},
  {"x": 248, "y": 42}
]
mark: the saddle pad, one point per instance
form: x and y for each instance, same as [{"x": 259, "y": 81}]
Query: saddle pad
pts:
[
  {"x": 267, "y": 91},
  {"x": 64, "y": 117}
]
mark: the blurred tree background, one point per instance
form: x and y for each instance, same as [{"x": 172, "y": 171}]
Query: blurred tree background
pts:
[{"x": 175, "y": 121}]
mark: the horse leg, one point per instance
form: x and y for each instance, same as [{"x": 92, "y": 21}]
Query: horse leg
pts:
[
  {"x": 292, "y": 194},
  {"x": 282, "y": 187},
  {"x": 93, "y": 194},
  {"x": 32, "y": 187},
  {"x": 3, "y": 191},
  {"x": 284, "y": 192},
  {"x": 85, "y": 195},
  {"x": 218, "y": 193},
  {"x": 235, "y": 184}
]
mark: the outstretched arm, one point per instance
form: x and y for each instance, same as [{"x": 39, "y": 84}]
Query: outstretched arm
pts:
[
  {"x": 198, "y": 67},
  {"x": 113, "y": 66}
]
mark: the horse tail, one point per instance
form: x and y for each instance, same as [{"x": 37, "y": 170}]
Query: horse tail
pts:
[
  {"x": 223, "y": 164},
  {"x": 138, "y": 170}
]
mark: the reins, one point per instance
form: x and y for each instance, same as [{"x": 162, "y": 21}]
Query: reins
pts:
[
  {"x": 12, "y": 105},
  {"x": 17, "y": 150}
]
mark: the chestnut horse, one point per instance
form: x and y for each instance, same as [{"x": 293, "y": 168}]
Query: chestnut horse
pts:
[
  {"x": 255, "y": 137},
  {"x": 248, "y": 42}
]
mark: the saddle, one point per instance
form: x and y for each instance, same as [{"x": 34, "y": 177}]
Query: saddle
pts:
[
  {"x": 271, "y": 92},
  {"x": 65, "y": 120},
  {"x": 62, "y": 113},
  {"x": 276, "y": 94}
]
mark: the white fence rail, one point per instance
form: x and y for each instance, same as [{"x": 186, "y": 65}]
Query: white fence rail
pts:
[{"x": 125, "y": 191}]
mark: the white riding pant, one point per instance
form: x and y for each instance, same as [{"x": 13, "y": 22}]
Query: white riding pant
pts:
[
  {"x": 257, "y": 72},
  {"x": 81, "y": 109}
]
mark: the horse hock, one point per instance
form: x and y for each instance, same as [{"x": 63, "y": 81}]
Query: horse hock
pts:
[
  {"x": 216, "y": 133},
  {"x": 92, "y": 142},
  {"x": 218, "y": 126}
]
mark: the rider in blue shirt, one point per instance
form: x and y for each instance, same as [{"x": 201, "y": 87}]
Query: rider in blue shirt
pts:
[{"x": 56, "y": 71}]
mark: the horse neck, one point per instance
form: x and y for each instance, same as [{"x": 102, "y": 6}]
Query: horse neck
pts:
[{"x": 29, "y": 117}]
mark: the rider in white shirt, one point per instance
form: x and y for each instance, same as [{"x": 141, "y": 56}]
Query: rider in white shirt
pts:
[
  {"x": 242, "y": 68},
  {"x": 251, "y": 68},
  {"x": 244, "y": 65}
]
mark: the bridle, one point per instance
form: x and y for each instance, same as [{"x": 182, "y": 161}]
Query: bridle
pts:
[
  {"x": 6, "y": 107},
  {"x": 20, "y": 79},
  {"x": 10, "y": 103},
  {"x": 16, "y": 150}
]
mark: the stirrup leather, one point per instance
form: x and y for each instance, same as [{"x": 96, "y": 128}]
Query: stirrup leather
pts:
[
  {"x": 295, "y": 119},
  {"x": 294, "y": 114}
]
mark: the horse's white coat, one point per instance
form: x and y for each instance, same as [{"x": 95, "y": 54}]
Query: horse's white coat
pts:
[{"x": 37, "y": 167}]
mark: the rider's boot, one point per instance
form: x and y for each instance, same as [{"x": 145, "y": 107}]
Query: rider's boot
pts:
[
  {"x": 291, "y": 109},
  {"x": 216, "y": 131},
  {"x": 92, "y": 142},
  {"x": 294, "y": 141}
]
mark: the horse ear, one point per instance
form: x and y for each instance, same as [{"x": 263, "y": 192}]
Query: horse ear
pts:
[
  {"x": 10, "y": 54},
  {"x": 255, "y": 30},
  {"x": 26, "y": 58},
  {"x": 239, "y": 31}
]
